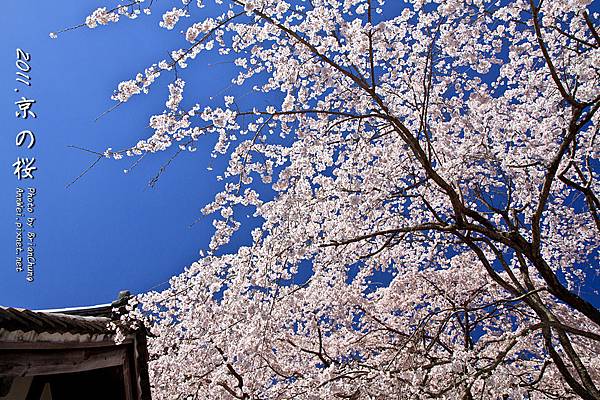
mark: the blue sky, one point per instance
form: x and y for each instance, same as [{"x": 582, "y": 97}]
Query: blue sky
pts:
[{"x": 108, "y": 231}]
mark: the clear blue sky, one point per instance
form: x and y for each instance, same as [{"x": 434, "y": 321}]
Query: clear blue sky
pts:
[{"x": 108, "y": 231}]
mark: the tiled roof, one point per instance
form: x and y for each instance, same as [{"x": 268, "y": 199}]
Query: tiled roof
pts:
[
  {"x": 16, "y": 319},
  {"x": 101, "y": 310}
]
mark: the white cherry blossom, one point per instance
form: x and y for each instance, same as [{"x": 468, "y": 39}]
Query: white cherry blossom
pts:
[{"x": 425, "y": 191}]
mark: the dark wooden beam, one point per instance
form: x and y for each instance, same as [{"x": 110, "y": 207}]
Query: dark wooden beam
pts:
[
  {"x": 128, "y": 378},
  {"x": 46, "y": 362},
  {"x": 56, "y": 345},
  {"x": 141, "y": 365}
]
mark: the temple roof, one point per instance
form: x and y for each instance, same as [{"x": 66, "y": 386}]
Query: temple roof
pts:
[
  {"x": 17, "y": 319},
  {"x": 75, "y": 324}
]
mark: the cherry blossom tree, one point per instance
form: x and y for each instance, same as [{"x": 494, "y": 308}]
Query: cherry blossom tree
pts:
[{"x": 448, "y": 146}]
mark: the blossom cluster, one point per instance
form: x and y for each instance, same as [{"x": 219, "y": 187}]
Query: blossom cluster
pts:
[
  {"x": 424, "y": 186},
  {"x": 170, "y": 18},
  {"x": 101, "y": 17}
]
